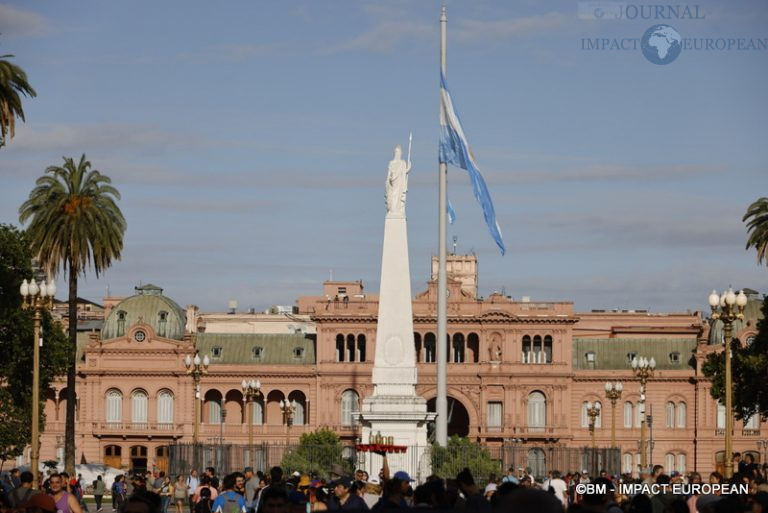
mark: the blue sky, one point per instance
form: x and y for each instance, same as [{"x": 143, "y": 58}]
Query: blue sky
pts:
[{"x": 250, "y": 142}]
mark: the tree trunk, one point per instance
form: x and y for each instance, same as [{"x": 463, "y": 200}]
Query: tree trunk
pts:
[{"x": 69, "y": 429}]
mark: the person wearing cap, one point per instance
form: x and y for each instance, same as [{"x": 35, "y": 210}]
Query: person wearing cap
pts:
[
  {"x": 346, "y": 499},
  {"x": 251, "y": 488}
]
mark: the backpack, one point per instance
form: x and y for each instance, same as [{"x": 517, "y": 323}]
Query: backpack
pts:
[
  {"x": 204, "y": 506},
  {"x": 231, "y": 503}
]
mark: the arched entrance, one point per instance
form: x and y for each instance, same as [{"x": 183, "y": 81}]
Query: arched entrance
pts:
[
  {"x": 139, "y": 458},
  {"x": 161, "y": 458},
  {"x": 458, "y": 418},
  {"x": 113, "y": 456},
  {"x": 537, "y": 462}
]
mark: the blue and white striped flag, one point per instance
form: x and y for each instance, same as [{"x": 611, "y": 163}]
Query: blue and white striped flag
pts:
[
  {"x": 451, "y": 213},
  {"x": 454, "y": 149}
]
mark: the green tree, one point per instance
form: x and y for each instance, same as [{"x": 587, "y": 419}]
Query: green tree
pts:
[
  {"x": 459, "y": 453},
  {"x": 749, "y": 366},
  {"x": 757, "y": 227},
  {"x": 74, "y": 224},
  {"x": 16, "y": 346},
  {"x": 317, "y": 452},
  {"x": 13, "y": 81}
]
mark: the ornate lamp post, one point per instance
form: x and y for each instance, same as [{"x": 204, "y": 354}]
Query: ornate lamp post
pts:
[
  {"x": 728, "y": 308},
  {"x": 251, "y": 392},
  {"x": 613, "y": 392},
  {"x": 36, "y": 298},
  {"x": 593, "y": 411},
  {"x": 643, "y": 369},
  {"x": 288, "y": 408},
  {"x": 197, "y": 368}
]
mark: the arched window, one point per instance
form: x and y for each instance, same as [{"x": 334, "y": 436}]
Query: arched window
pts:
[
  {"x": 538, "y": 350},
  {"x": 417, "y": 345},
  {"x": 139, "y": 403},
  {"x": 350, "y": 402},
  {"x": 121, "y": 315},
  {"x": 361, "y": 348},
  {"x": 162, "y": 321},
  {"x": 298, "y": 415},
  {"x": 214, "y": 412},
  {"x": 458, "y": 348},
  {"x": 669, "y": 461},
  {"x": 258, "y": 412},
  {"x": 626, "y": 463},
  {"x": 548, "y": 349},
  {"x": 628, "y": 414},
  {"x": 350, "y": 348},
  {"x": 720, "y": 415},
  {"x": 429, "y": 348},
  {"x": 752, "y": 422},
  {"x": 584, "y": 416},
  {"x": 114, "y": 406},
  {"x": 527, "y": 349},
  {"x": 682, "y": 414},
  {"x": 537, "y": 411},
  {"x": 165, "y": 407},
  {"x": 680, "y": 463},
  {"x": 339, "y": 347},
  {"x": 670, "y": 417}
]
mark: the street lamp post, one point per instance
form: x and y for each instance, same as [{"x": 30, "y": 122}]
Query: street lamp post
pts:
[
  {"x": 728, "y": 308},
  {"x": 643, "y": 369},
  {"x": 36, "y": 298},
  {"x": 197, "y": 368},
  {"x": 593, "y": 411},
  {"x": 251, "y": 392},
  {"x": 613, "y": 392},
  {"x": 288, "y": 408}
]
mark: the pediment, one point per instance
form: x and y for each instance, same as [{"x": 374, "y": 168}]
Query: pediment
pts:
[
  {"x": 497, "y": 315},
  {"x": 139, "y": 337}
]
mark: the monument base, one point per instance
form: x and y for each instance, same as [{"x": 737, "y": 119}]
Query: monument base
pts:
[{"x": 405, "y": 419}]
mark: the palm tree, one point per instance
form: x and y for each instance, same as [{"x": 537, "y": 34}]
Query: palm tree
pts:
[
  {"x": 758, "y": 228},
  {"x": 74, "y": 224},
  {"x": 13, "y": 81}
]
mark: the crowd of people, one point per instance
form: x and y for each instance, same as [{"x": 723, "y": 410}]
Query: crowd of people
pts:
[{"x": 274, "y": 492}]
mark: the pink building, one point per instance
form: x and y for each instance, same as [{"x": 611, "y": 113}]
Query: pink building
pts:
[{"x": 520, "y": 372}]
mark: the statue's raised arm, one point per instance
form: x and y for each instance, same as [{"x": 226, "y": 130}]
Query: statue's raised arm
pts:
[{"x": 397, "y": 183}]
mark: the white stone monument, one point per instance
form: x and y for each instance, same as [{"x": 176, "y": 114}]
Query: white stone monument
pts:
[{"x": 394, "y": 409}]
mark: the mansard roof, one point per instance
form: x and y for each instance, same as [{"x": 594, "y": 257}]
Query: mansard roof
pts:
[
  {"x": 257, "y": 348},
  {"x": 614, "y": 353}
]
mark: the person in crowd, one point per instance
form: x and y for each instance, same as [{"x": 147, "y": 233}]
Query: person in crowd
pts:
[
  {"x": 239, "y": 483},
  {"x": 192, "y": 483},
  {"x": 180, "y": 493},
  {"x": 346, "y": 498},
  {"x": 38, "y": 503},
  {"x": 205, "y": 484},
  {"x": 158, "y": 482},
  {"x": 204, "y": 501},
  {"x": 99, "y": 488},
  {"x": 473, "y": 496},
  {"x": 251, "y": 489},
  {"x": 211, "y": 473},
  {"x": 23, "y": 492},
  {"x": 274, "y": 499},
  {"x": 65, "y": 501},
  {"x": 318, "y": 498},
  {"x": 119, "y": 492},
  {"x": 275, "y": 479},
  {"x": 165, "y": 492},
  {"x": 229, "y": 501}
]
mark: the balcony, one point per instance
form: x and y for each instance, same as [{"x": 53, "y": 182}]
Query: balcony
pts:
[
  {"x": 750, "y": 432},
  {"x": 137, "y": 428}
]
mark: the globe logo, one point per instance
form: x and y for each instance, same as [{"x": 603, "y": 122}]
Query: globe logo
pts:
[
  {"x": 661, "y": 44},
  {"x": 599, "y": 13}
]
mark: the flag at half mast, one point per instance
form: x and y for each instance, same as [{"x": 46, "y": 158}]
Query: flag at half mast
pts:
[{"x": 454, "y": 149}]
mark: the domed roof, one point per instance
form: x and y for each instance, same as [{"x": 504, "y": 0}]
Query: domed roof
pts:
[{"x": 151, "y": 307}]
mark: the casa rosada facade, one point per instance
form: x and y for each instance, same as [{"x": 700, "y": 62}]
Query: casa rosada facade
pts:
[{"x": 520, "y": 372}]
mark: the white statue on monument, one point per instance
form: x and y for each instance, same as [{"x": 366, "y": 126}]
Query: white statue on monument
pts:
[{"x": 397, "y": 182}]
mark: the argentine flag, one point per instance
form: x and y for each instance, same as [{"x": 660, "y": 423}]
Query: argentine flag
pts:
[{"x": 454, "y": 149}]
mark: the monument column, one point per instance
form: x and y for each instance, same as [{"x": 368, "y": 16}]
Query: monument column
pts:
[{"x": 394, "y": 409}]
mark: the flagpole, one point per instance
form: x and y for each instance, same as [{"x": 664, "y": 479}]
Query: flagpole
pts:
[{"x": 441, "y": 406}]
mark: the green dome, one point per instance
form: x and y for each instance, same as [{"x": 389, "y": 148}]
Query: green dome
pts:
[{"x": 151, "y": 307}]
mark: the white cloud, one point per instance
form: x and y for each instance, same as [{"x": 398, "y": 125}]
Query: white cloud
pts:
[
  {"x": 15, "y": 22},
  {"x": 468, "y": 30}
]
